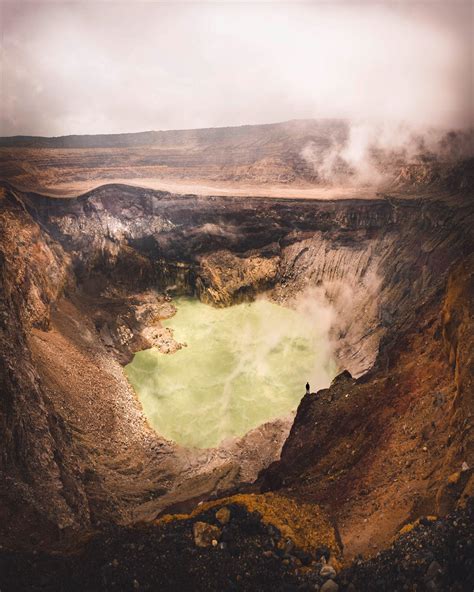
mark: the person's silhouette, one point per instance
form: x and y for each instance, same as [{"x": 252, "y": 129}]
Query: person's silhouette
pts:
[{"x": 307, "y": 387}]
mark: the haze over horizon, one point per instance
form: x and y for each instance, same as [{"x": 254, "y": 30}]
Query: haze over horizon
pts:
[{"x": 110, "y": 67}]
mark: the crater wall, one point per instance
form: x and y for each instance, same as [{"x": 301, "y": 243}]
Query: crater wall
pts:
[{"x": 76, "y": 451}]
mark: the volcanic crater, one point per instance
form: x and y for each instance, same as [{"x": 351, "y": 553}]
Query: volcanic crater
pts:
[{"x": 88, "y": 280}]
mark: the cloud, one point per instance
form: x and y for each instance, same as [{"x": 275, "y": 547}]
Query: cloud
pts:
[{"x": 96, "y": 67}]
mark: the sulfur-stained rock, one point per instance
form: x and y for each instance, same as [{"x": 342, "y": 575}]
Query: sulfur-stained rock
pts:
[{"x": 223, "y": 515}]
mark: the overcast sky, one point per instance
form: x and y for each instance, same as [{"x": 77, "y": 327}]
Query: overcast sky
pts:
[{"x": 104, "y": 66}]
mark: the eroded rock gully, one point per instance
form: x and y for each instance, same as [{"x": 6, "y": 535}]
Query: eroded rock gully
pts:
[{"x": 82, "y": 280}]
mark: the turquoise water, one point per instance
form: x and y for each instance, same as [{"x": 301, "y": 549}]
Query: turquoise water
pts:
[{"x": 243, "y": 365}]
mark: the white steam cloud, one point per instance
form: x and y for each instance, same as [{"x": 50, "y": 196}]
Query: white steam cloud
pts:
[
  {"x": 108, "y": 67},
  {"x": 369, "y": 152}
]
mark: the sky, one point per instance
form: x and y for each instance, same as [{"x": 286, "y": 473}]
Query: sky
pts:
[{"x": 110, "y": 67}]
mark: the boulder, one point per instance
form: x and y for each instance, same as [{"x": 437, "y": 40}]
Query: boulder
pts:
[
  {"x": 327, "y": 571},
  {"x": 329, "y": 586},
  {"x": 205, "y": 534},
  {"x": 223, "y": 515}
]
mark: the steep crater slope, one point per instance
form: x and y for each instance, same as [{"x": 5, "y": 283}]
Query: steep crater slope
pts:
[{"x": 77, "y": 274}]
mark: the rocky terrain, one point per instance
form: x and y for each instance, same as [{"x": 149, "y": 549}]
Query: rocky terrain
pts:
[
  {"x": 242, "y": 545},
  {"x": 84, "y": 481},
  {"x": 298, "y": 158}
]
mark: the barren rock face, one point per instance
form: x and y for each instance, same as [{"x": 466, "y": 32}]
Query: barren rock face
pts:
[
  {"x": 84, "y": 280},
  {"x": 225, "y": 279}
]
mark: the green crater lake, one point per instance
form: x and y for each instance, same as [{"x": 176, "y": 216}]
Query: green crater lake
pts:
[{"x": 243, "y": 366}]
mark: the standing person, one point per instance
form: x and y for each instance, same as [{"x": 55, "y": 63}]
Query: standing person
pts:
[{"x": 307, "y": 388}]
